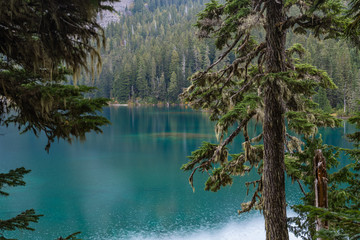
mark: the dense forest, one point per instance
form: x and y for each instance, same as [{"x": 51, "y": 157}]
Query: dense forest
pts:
[{"x": 152, "y": 51}]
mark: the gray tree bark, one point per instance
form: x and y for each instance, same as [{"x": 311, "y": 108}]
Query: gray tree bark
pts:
[{"x": 274, "y": 127}]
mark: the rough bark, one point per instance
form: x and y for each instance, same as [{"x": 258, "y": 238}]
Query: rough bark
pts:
[
  {"x": 345, "y": 98},
  {"x": 320, "y": 184},
  {"x": 274, "y": 128}
]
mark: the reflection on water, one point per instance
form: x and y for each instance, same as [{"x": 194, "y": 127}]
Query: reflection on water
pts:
[
  {"x": 127, "y": 182},
  {"x": 183, "y": 135}
]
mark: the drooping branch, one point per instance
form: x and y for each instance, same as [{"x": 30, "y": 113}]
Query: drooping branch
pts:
[
  {"x": 21, "y": 221},
  {"x": 12, "y": 179},
  {"x": 233, "y": 135},
  {"x": 247, "y": 58},
  {"x": 319, "y": 24},
  {"x": 256, "y": 200}
]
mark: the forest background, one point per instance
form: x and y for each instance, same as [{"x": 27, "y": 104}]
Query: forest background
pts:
[{"x": 152, "y": 50}]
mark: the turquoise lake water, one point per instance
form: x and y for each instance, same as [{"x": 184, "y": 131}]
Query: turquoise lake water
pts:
[{"x": 127, "y": 184}]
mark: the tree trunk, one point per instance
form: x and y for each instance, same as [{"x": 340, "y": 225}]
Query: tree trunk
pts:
[
  {"x": 274, "y": 127},
  {"x": 345, "y": 99},
  {"x": 320, "y": 184}
]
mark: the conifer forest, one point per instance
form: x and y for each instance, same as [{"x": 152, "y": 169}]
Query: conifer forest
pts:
[
  {"x": 210, "y": 115},
  {"x": 153, "y": 49}
]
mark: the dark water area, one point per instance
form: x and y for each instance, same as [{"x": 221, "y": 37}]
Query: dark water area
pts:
[{"x": 127, "y": 184}]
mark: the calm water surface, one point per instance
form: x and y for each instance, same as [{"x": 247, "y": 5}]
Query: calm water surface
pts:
[{"x": 127, "y": 182}]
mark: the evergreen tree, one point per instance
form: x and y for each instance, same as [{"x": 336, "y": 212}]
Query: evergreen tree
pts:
[
  {"x": 152, "y": 75},
  {"x": 205, "y": 60},
  {"x": 161, "y": 93},
  {"x": 138, "y": 6},
  {"x": 190, "y": 65},
  {"x": 173, "y": 88},
  {"x": 175, "y": 62},
  {"x": 122, "y": 84},
  {"x": 104, "y": 87},
  {"x": 141, "y": 82},
  {"x": 264, "y": 81},
  {"x": 42, "y": 42},
  {"x": 322, "y": 100}
]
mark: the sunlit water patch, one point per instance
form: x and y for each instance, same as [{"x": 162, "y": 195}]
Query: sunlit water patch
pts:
[{"x": 250, "y": 229}]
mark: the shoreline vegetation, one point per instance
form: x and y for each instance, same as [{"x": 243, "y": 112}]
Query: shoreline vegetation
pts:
[
  {"x": 186, "y": 105},
  {"x": 146, "y": 104}
]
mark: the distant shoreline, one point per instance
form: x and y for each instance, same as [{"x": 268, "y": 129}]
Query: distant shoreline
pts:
[
  {"x": 131, "y": 104},
  {"x": 118, "y": 105}
]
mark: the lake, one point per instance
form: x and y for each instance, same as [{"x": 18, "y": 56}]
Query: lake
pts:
[{"x": 127, "y": 184}]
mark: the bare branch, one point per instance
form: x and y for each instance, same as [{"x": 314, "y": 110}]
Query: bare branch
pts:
[{"x": 301, "y": 187}]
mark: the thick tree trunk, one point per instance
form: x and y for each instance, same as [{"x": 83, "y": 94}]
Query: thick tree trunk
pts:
[{"x": 274, "y": 128}]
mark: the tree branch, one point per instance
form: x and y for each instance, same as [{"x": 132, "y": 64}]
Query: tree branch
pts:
[
  {"x": 233, "y": 135},
  {"x": 222, "y": 56}
]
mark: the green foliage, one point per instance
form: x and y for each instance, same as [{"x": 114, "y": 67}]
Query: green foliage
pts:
[
  {"x": 340, "y": 60},
  {"x": 204, "y": 152},
  {"x": 70, "y": 237},
  {"x": 307, "y": 123},
  {"x": 150, "y": 35},
  {"x": 40, "y": 35},
  {"x": 20, "y": 222},
  {"x": 237, "y": 113},
  {"x": 42, "y": 44},
  {"x": 355, "y": 137},
  {"x": 344, "y": 223},
  {"x": 12, "y": 179},
  {"x": 173, "y": 88},
  {"x": 228, "y": 15},
  {"x": 343, "y": 194},
  {"x": 262, "y": 79},
  {"x": 149, "y": 44},
  {"x": 60, "y": 111},
  {"x": 322, "y": 99}
]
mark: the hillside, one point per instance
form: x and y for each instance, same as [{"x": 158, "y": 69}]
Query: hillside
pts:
[
  {"x": 153, "y": 50},
  {"x": 107, "y": 17}
]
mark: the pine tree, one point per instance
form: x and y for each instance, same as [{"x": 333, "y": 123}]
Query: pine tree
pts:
[
  {"x": 141, "y": 82},
  {"x": 322, "y": 100},
  {"x": 264, "y": 81},
  {"x": 162, "y": 92},
  {"x": 138, "y": 6},
  {"x": 122, "y": 84},
  {"x": 175, "y": 62},
  {"x": 42, "y": 42},
  {"x": 152, "y": 76},
  {"x": 173, "y": 89},
  {"x": 205, "y": 60}
]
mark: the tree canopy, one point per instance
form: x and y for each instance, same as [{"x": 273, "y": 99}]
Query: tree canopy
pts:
[{"x": 43, "y": 44}]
